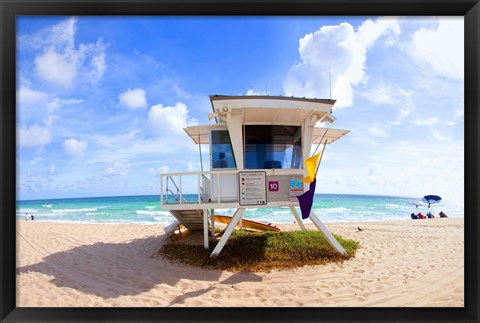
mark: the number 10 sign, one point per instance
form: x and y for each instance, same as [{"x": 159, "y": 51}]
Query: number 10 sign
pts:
[{"x": 273, "y": 186}]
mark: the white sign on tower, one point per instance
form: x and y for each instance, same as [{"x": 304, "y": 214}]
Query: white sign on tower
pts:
[{"x": 252, "y": 188}]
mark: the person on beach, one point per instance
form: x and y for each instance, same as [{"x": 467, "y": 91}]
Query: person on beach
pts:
[
  {"x": 430, "y": 215},
  {"x": 26, "y": 216},
  {"x": 421, "y": 216},
  {"x": 414, "y": 216},
  {"x": 32, "y": 217},
  {"x": 442, "y": 215},
  {"x": 221, "y": 162}
]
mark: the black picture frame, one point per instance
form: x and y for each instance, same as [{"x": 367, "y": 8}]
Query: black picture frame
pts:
[{"x": 9, "y": 9}]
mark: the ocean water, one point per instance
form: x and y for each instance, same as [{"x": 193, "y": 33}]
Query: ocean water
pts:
[{"x": 147, "y": 209}]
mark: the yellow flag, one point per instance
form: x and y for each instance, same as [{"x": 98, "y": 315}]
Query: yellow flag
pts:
[{"x": 311, "y": 165}]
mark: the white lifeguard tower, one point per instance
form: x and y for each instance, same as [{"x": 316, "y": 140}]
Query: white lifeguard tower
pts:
[{"x": 257, "y": 150}]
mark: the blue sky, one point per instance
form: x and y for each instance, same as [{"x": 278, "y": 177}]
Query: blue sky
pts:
[{"x": 101, "y": 101}]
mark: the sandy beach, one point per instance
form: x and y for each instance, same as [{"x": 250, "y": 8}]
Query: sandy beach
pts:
[{"x": 410, "y": 263}]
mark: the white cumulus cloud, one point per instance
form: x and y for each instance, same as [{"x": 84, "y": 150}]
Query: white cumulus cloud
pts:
[
  {"x": 60, "y": 69},
  {"x": 75, "y": 148},
  {"x": 380, "y": 94},
  {"x": 116, "y": 169},
  {"x": 164, "y": 121},
  {"x": 442, "y": 49},
  {"x": 27, "y": 96},
  {"x": 378, "y": 131},
  {"x": 133, "y": 99},
  {"x": 337, "y": 52},
  {"x": 370, "y": 31},
  {"x": 60, "y": 62},
  {"x": 58, "y": 103},
  {"x": 158, "y": 171},
  {"x": 34, "y": 136},
  {"x": 252, "y": 92},
  {"x": 98, "y": 64}
]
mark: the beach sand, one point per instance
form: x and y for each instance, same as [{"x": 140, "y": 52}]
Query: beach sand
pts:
[{"x": 412, "y": 263}]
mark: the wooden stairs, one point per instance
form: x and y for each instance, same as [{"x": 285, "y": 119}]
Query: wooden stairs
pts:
[{"x": 191, "y": 219}]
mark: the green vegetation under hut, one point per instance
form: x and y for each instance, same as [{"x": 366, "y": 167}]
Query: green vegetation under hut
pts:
[{"x": 262, "y": 251}]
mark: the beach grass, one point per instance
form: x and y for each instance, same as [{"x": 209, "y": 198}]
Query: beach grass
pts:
[{"x": 262, "y": 251}]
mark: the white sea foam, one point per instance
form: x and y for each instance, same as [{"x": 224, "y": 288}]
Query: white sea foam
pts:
[
  {"x": 46, "y": 215},
  {"x": 334, "y": 210},
  {"x": 74, "y": 210},
  {"x": 152, "y": 213},
  {"x": 27, "y": 210},
  {"x": 164, "y": 220},
  {"x": 399, "y": 206},
  {"x": 345, "y": 209}
]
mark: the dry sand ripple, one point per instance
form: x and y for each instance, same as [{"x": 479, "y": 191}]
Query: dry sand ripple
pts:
[{"x": 400, "y": 263}]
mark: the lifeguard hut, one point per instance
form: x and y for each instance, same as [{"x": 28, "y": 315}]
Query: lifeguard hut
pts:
[{"x": 258, "y": 145}]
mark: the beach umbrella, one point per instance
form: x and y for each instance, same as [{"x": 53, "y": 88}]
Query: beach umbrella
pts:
[{"x": 431, "y": 199}]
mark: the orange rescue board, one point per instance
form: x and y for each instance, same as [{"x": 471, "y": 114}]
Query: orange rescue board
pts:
[{"x": 248, "y": 224}]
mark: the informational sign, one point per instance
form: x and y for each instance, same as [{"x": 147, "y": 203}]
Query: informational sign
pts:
[
  {"x": 296, "y": 187},
  {"x": 252, "y": 188}
]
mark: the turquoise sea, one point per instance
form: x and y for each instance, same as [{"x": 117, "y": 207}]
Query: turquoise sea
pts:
[{"x": 147, "y": 209}]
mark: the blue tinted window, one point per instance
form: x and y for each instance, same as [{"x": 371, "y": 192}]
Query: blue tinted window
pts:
[
  {"x": 269, "y": 147},
  {"x": 222, "y": 153}
]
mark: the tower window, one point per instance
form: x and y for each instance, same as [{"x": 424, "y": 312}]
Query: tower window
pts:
[
  {"x": 273, "y": 146},
  {"x": 222, "y": 153}
]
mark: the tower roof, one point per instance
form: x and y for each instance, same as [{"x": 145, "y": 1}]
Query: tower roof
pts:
[{"x": 272, "y": 109}]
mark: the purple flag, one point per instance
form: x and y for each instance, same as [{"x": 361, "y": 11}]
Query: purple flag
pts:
[{"x": 306, "y": 200}]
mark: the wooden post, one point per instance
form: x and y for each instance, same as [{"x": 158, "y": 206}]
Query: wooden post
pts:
[
  {"x": 205, "y": 228},
  {"x": 212, "y": 221},
  {"x": 198, "y": 189},
  {"x": 228, "y": 231},
  {"x": 180, "y": 184},
  {"x": 299, "y": 220},
  {"x": 161, "y": 190},
  {"x": 218, "y": 188},
  {"x": 330, "y": 238}
]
